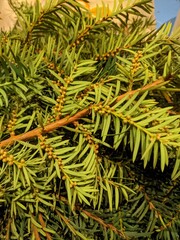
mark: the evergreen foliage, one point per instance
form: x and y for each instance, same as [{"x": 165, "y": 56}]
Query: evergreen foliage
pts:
[{"x": 89, "y": 124}]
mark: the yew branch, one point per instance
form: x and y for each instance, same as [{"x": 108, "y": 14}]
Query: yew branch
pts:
[
  {"x": 35, "y": 231},
  {"x": 96, "y": 218},
  {"x": 147, "y": 87},
  {"x": 41, "y": 220},
  {"x": 48, "y": 128},
  {"x": 69, "y": 119}
]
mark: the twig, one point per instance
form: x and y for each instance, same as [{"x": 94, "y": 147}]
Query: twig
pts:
[
  {"x": 150, "y": 86},
  {"x": 48, "y": 128},
  {"x": 67, "y": 120},
  {"x": 41, "y": 220},
  {"x": 97, "y": 219},
  {"x": 105, "y": 225},
  {"x": 35, "y": 231}
]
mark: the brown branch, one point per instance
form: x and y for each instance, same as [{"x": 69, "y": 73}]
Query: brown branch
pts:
[
  {"x": 104, "y": 224},
  {"x": 95, "y": 218},
  {"x": 35, "y": 231},
  {"x": 48, "y": 128},
  {"x": 150, "y": 86},
  {"x": 41, "y": 220},
  {"x": 65, "y": 121}
]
